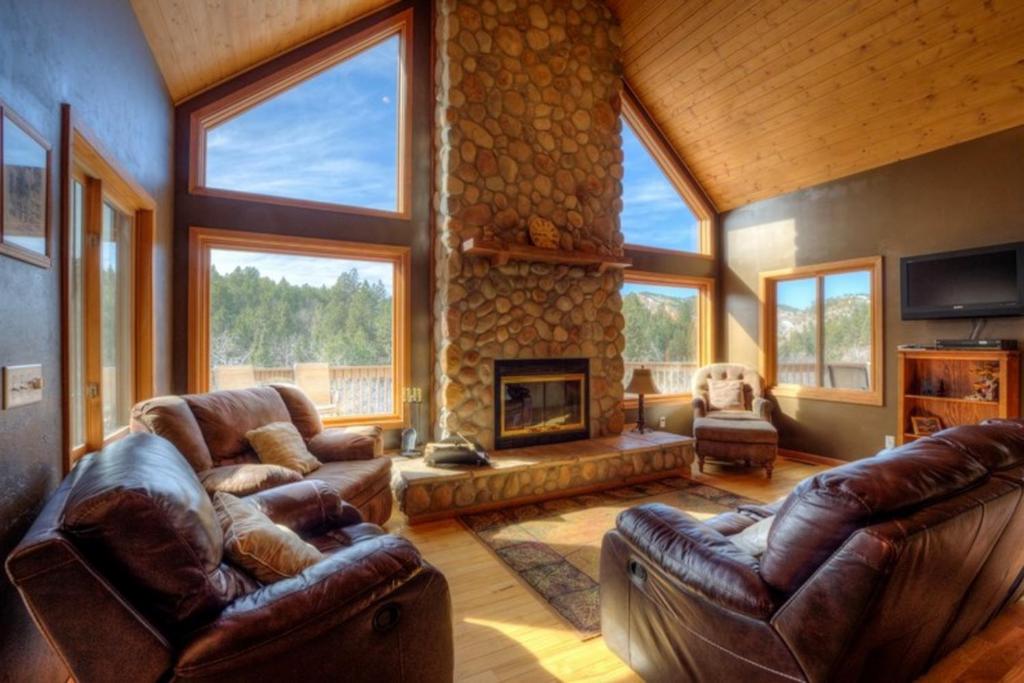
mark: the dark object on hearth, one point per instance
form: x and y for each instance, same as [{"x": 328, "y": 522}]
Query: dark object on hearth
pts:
[
  {"x": 839, "y": 589},
  {"x": 456, "y": 451},
  {"x": 641, "y": 383}
]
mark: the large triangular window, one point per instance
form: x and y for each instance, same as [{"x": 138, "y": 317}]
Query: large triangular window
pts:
[
  {"x": 661, "y": 207},
  {"x": 329, "y": 132}
]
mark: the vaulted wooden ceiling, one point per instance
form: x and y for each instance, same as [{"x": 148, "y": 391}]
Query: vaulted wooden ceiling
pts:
[
  {"x": 198, "y": 43},
  {"x": 759, "y": 97},
  {"x": 763, "y": 97}
]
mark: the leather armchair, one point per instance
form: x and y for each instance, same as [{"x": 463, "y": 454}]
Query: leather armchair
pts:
[
  {"x": 209, "y": 430},
  {"x": 125, "y": 575},
  {"x": 872, "y": 571}
]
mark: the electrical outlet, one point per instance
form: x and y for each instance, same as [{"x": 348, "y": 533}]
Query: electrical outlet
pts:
[
  {"x": 661, "y": 422},
  {"x": 890, "y": 441}
]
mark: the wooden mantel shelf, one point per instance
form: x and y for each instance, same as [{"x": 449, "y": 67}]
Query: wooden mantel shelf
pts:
[{"x": 500, "y": 254}]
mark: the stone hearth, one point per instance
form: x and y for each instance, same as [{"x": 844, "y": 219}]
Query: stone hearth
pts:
[
  {"x": 538, "y": 473},
  {"x": 528, "y": 96}
]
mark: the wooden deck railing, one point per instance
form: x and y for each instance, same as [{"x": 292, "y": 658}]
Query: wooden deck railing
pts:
[
  {"x": 675, "y": 378},
  {"x": 851, "y": 375},
  {"x": 804, "y": 373},
  {"x": 354, "y": 389},
  {"x": 670, "y": 378}
]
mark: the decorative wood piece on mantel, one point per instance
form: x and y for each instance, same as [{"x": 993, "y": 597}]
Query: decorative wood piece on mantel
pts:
[{"x": 500, "y": 254}]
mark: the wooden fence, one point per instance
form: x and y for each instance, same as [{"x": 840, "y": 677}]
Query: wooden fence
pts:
[
  {"x": 354, "y": 389},
  {"x": 670, "y": 378},
  {"x": 847, "y": 375},
  {"x": 675, "y": 378}
]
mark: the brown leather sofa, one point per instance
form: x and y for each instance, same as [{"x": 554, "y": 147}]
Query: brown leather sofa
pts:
[
  {"x": 124, "y": 574},
  {"x": 209, "y": 430},
  {"x": 873, "y": 570}
]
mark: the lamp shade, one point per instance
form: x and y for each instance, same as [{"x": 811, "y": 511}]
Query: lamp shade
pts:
[{"x": 641, "y": 382}]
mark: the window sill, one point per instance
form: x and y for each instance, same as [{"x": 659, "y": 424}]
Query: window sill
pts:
[
  {"x": 631, "y": 403},
  {"x": 867, "y": 398},
  {"x": 669, "y": 252},
  {"x": 116, "y": 435},
  {"x": 204, "y": 191},
  {"x": 385, "y": 422}
]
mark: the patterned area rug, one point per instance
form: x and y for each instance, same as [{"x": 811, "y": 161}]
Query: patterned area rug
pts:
[{"x": 555, "y": 546}]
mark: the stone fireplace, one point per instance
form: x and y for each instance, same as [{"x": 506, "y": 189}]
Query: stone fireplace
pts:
[
  {"x": 528, "y": 102},
  {"x": 540, "y": 401}
]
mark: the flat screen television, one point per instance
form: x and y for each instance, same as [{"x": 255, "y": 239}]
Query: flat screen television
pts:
[{"x": 973, "y": 283}]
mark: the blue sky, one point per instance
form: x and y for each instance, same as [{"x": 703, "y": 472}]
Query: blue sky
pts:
[
  {"x": 653, "y": 213},
  {"x": 332, "y": 138},
  {"x": 301, "y": 270},
  {"x": 674, "y": 292},
  {"x": 801, "y": 293}
]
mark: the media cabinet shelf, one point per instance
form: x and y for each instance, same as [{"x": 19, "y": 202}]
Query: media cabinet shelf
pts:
[
  {"x": 950, "y": 399},
  {"x": 500, "y": 254},
  {"x": 955, "y": 373}
]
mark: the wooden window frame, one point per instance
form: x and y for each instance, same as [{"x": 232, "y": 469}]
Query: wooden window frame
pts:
[
  {"x": 678, "y": 174},
  {"x": 202, "y": 240},
  {"x": 705, "y": 323},
  {"x": 14, "y": 250},
  {"x": 270, "y": 86},
  {"x": 85, "y": 160},
  {"x": 769, "y": 360}
]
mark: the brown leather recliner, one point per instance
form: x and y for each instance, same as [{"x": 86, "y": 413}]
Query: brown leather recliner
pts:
[
  {"x": 873, "y": 570},
  {"x": 209, "y": 430},
  {"x": 124, "y": 574}
]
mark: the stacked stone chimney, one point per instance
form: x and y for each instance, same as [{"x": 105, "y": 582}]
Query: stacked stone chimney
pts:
[{"x": 528, "y": 102}]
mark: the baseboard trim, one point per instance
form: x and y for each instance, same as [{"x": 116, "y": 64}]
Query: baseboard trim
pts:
[{"x": 811, "y": 458}]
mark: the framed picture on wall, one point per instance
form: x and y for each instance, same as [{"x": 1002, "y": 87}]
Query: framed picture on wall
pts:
[{"x": 25, "y": 196}]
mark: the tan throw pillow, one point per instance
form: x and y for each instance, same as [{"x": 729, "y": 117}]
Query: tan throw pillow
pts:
[
  {"x": 252, "y": 541},
  {"x": 279, "y": 443},
  {"x": 242, "y": 480},
  {"x": 725, "y": 394}
]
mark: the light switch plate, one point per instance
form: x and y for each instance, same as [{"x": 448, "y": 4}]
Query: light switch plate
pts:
[{"x": 23, "y": 384}]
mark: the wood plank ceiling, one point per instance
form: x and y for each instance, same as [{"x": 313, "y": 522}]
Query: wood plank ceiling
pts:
[
  {"x": 763, "y": 97},
  {"x": 759, "y": 97},
  {"x": 198, "y": 43}
]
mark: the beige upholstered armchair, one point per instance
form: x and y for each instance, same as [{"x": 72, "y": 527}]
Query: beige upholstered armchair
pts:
[
  {"x": 756, "y": 406},
  {"x": 733, "y": 426}
]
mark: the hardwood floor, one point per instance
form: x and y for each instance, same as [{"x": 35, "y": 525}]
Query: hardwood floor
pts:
[{"x": 504, "y": 632}]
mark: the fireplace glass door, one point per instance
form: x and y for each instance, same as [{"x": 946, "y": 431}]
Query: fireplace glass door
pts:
[{"x": 538, "y": 404}]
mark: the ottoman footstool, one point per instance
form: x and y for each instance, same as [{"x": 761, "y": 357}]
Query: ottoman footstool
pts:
[{"x": 737, "y": 440}]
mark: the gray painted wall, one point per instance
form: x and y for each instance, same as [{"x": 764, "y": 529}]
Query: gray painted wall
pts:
[
  {"x": 960, "y": 197},
  {"x": 92, "y": 55}
]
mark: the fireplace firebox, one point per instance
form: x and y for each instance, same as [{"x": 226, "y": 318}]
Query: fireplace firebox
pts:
[{"x": 539, "y": 401}]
